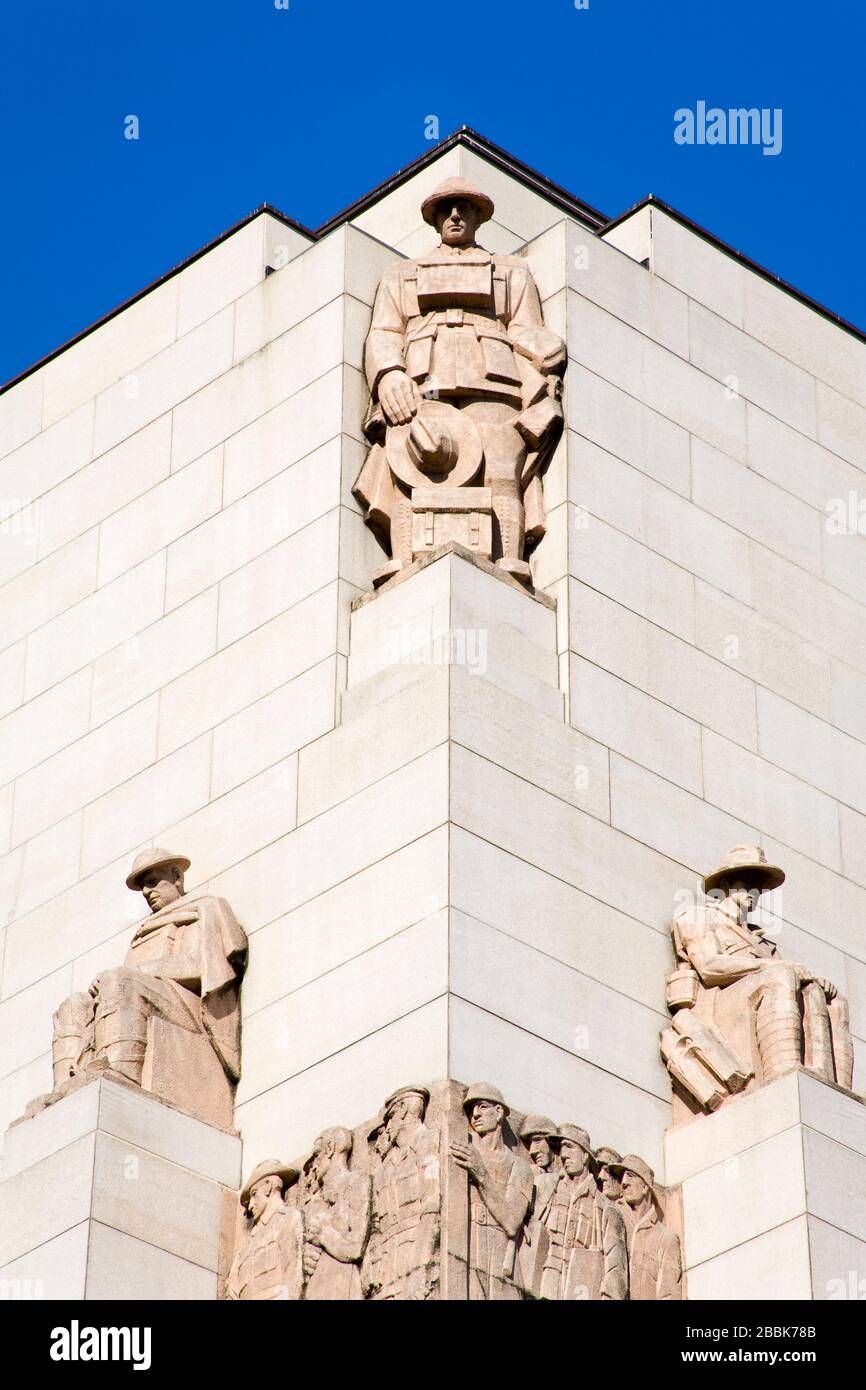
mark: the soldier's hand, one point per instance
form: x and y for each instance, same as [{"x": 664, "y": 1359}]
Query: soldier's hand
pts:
[
  {"x": 310, "y": 1259},
  {"x": 467, "y": 1158},
  {"x": 398, "y": 397}
]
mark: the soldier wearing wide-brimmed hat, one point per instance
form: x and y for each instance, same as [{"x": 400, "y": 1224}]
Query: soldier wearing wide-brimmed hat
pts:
[
  {"x": 183, "y": 968},
  {"x": 742, "y": 1014},
  {"x": 268, "y": 1262},
  {"x": 465, "y": 381},
  {"x": 500, "y": 1191},
  {"x": 587, "y": 1257},
  {"x": 654, "y": 1258}
]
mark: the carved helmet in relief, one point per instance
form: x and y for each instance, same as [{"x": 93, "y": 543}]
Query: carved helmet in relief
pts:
[
  {"x": 482, "y": 1090},
  {"x": 573, "y": 1134},
  {"x": 538, "y": 1126},
  {"x": 606, "y": 1157},
  {"x": 631, "y": 1163}
]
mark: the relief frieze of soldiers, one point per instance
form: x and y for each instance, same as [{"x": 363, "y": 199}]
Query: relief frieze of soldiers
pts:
[{"x": 447, "y": 1194}]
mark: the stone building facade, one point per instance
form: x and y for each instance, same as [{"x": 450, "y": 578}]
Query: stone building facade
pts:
[{"x": 456, "y": 818}]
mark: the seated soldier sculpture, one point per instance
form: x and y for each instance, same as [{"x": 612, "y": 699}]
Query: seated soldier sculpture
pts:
[
  {"x": 168, "y": 1019},
  {"x": 743, "y": 1016}
]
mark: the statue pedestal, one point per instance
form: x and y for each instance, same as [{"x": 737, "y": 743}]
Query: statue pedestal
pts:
[
  {"x": 111, "y": 1194},
  {"x": 453, "y": 933},
  {"x": 774, "y": 1194}
]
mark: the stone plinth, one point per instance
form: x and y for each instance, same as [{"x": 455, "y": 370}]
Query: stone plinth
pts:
[
  {"x": 774, "y": 1194},
  {"x": 112, "y": 1194},
  {"x": 443, "y": 818}
]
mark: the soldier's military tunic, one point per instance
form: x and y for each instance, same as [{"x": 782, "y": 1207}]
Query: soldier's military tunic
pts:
[
  {"x": 466, "y": 325},
  {"x": 406, "y": 1190},
  {"x": 268, "y": 1264},
  {"x": 655, "y": 1265},
  {"x": 494, "y": 1264},
  {"x": 587, "y": 1256}
]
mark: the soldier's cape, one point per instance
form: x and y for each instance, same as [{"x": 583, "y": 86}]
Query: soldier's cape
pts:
[{"x": 223, "y": 953}]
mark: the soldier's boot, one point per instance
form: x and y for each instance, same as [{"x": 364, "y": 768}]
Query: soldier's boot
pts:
[
  {"x": 817, "y": 1042},
  {"x": 120, "y": 1026},
  {"x": 71, "y": 1028},
  {"x": 843, "y": 1047},
  {"x": 509, "y": 516},
  {"x": 400, "y": 536},
  {"x": 401, "y": 528},
  {"x": 779, "y": 1032}
]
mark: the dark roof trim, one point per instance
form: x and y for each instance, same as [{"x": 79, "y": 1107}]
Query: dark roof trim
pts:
[
  {"x": 154, "y": 284},
  {"x": 494, "y": 154},
  {"x": 568, "y": 204},
  {"x": 653, "y": 202}
]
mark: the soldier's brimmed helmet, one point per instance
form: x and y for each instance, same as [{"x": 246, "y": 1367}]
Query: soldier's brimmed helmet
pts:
[
  {"x": 537, "y": 1127},
  {"x": 606, "y": 1158},
  {"x": 269, "y": 1167},
  {"x": 631, "y": 1163},
  {"x": 573, "y": 1134},
  {"x": 451, "y": 191},
  {"x": 482, "y": 1090},
  {"x": 153, "y": 859},
  {"x": 745, "y": 864}
]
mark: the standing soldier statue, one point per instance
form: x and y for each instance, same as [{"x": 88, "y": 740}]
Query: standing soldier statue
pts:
[{"x": 465, "y": 384}]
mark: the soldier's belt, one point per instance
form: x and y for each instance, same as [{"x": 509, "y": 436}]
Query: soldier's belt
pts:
[{"x": 487, "y": 325}]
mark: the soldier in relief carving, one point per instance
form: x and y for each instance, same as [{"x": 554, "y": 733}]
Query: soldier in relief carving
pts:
[
  {"x": 541, "y": 1137},
  {"x": 587, "y": 1257},
  {"x": 269, "y": 1259},
  {"x": 460, "y": 367},
  {"x": 500, "y": 1192},
  {"x": 606, "y": 1176},
  {"x": 654, "y": 1258},
  {"x": 182, "y": 975},
  {"x": 336, "y": 1219},
  {"x": 406, "y": 1201}
]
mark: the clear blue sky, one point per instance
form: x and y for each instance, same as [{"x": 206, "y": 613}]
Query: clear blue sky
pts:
[{"x": 308, "y": 107}]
